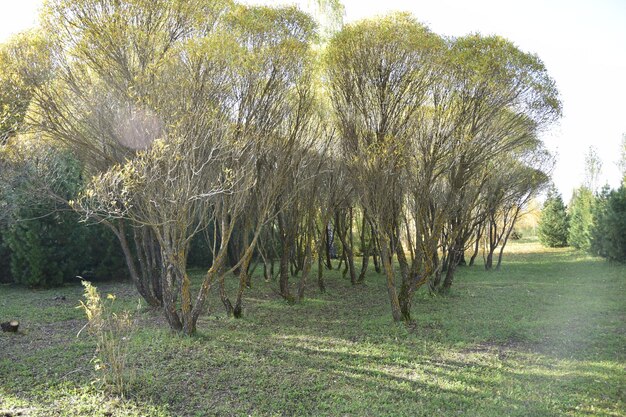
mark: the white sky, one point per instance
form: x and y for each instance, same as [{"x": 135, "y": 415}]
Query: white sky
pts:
[{"x": 582, "y": 42}]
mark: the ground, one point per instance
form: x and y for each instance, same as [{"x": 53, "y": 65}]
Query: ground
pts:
[{"x": 545, "y": 336}]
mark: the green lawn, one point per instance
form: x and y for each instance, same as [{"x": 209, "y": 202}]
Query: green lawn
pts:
[{"x": 546, "y": 336}]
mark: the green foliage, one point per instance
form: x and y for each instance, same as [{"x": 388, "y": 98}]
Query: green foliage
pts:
[
  {"x": 44, "y": 242},
  {"x": 599, "y": 230},
  {"x": 46, "y": 248},
  {"x": 24, "y": 65},
  {"x": 581, "y": 219},
  {"x": 5, "y": 258},
  {"x": 609, "y": 225},
  {"x": 554, "y": 221}
]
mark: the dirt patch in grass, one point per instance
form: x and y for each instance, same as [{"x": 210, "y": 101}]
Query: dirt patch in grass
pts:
[
  {"x": 34, "y": 336},
  {"x": 502, "y": 350}
]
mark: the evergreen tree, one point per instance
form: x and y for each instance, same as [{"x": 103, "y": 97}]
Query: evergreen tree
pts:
[
  {"x": 599, "y": 230},
  {"x": 581, "y": 219},
  {"x": 42, "y": 242},
  {"x": 554, "y": 222},
  {"x": 608, "y": 235},
  {"x": 46, "y": 248},
  {"x": 5, "y": 258}
]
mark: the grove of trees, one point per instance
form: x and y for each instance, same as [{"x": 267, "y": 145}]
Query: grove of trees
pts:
[
  {"x": 237, "y": 136},
  {"x": 595, "y": 221}
]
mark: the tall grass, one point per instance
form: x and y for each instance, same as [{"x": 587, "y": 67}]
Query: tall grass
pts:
[{"x": 113, "y": 332}]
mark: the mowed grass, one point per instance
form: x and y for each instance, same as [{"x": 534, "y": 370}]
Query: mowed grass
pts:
[{"x": 545, "y": 336}]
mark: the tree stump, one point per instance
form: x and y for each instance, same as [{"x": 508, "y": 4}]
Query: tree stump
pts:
[{"x": 10, "y": 326}]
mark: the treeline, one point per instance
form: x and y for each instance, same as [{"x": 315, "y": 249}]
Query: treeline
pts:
[
  {"x": 593, "y": 222},
  {"x": 236, "y": 131}
]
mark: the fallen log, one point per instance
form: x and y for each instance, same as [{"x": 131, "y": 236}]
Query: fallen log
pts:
[{"x": 10, "y": 326}]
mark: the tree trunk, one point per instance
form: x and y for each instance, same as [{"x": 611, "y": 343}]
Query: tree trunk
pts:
[
  {"x": 396, "y": 312},
  {"x": 169, "y": 298},
  {"x": 341, "y": 259},
  {"x": 365, "y": 248},
  {"x": 222, "y": 290},
  {"x": 244, "y": 277},
  {"x": 462, "y": 261},
  {"x": 320, "y": 272},
  {"x": 364, "y": 265},
  {"x": 328, "y": 240},
  {"x": 285, "y": 258},
  {"x": 506, "y": 238},
  {"x": 476, "y": 245},
  {"x": 189, "y": 322},
  {"x": 436, "y": 279},
  {"x": 154, "y": 275},
  {"x": 452, "y": 265},
  {"x": 284, "y": 272},
  {"x": 375, "y": 251},
  {"x": 10, "y": 326},
  {"x": 216, "y": 269},
  {"x": 489, "y": 260},
  {"x": 493, "y": 244},
  {"x": 500, "y": 256},
  {"x": 347, "y": 246},
  {"x": 140, "y": 283},
  {"x": 406, "y": 288},
  {"x": 306, "y": 269},
  {"x": 456, "y": 253}
]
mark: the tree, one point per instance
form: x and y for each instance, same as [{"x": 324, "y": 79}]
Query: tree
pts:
[
  {"x": 593, "y": 169},
  {"x": 328, "y": 14},
  {"x": 554, "y": 221},
  {"x": 608, "y": 233},
  {"x": 581, "y": 219},
  {"x": 103, "y": 103},
  {"x": 25, "y": 65},
  {"x": 234, "y": 107},
  {"x": 379, "y": 73}
]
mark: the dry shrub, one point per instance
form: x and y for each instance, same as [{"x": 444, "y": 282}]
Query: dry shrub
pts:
[{"x": 112, "y": 332}]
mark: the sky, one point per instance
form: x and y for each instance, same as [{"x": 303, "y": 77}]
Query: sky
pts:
[{"x": 581, "y": 42}]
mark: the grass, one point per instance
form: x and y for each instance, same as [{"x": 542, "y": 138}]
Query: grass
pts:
[{"x": 546, "y": 336}]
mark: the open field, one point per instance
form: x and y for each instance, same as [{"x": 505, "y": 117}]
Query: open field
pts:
[{"x": 546, "y": 336}]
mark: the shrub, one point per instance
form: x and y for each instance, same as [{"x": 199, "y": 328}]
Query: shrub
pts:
[
  {"x": 45, "y": 251},
  {"x": 112, "y": 332},
  {"x": 42, "y": 241}
]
